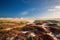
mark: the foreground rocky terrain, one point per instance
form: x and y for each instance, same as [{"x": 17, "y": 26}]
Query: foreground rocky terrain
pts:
[
  {"x": 25, "y": 30},
  {"x": 31, "y": 32}
]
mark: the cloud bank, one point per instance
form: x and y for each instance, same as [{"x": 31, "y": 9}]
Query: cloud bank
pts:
[{"x": 53, "y": 12}]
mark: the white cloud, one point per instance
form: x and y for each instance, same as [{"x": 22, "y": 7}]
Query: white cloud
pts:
[
  {"x": 53, "y": 12},
  {"x": 24, "y": 13},
  {"x": 57, "y": 7},
  {"x": 27, "y": 11},
  {"x": 51, "y": 9}
]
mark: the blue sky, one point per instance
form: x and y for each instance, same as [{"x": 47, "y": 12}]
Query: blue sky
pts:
[{"x": 30, "y": 8}]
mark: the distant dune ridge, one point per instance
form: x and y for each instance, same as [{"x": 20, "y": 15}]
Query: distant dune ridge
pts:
[
  {"x": 29, "y": 19},
  {"x": 18, "y": 19}
]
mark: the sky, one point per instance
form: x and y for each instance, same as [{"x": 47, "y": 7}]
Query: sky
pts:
[{"x": 30, "y": 8}]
